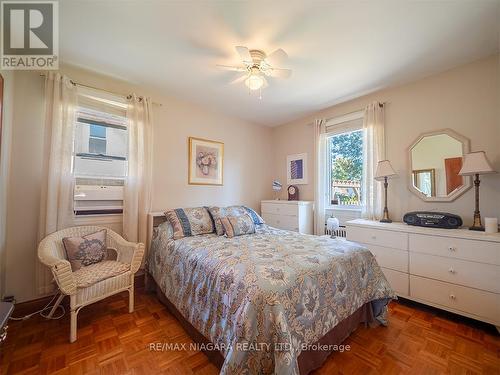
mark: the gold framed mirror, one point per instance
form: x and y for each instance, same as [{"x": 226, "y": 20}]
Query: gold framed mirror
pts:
[{"x": 435, "y": 159}]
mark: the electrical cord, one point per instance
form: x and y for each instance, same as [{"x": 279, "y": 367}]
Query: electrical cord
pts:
[{"x": 48, "y": 306}]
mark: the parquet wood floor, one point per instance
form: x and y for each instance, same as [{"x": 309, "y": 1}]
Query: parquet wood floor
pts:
[{"x": 111, "y": 341}]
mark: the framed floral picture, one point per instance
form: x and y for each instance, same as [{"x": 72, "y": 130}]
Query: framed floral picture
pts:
[
  {"x": 296, "y": 169},
  {"x": 206, "y": 162}
]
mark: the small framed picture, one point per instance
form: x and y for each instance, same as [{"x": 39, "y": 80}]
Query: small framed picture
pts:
[
  {"x": 296, "y": 169},
  {"x": 206, "y": 162}
]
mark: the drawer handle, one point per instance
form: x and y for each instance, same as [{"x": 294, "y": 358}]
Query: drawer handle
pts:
[
  {"x": 452, "y": 248},
  {"x": 451, "y": 270},
  {"x": 374, "y": 237},
  {"x": 453, "y": 297}
]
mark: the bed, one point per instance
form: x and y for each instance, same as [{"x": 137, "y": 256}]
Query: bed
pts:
[{"x": 270, "y": 302}]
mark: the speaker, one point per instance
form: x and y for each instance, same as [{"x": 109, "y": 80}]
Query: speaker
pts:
[{"x": 433, "y": 219}]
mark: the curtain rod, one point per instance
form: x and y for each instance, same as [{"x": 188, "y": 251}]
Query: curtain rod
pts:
[
  {"x": 381, "y": 104},
  {"x": 126, "y": 96}
]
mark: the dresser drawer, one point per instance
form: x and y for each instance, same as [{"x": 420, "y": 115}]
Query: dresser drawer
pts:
[
  {"x": 396, "y": 240},
  {"x": 479, "y": 303},
  {"x": 399, "y": 281},
  {"x": 281, "y": 222},
  {"x": 389, "y": 258},
  {"x": 478, "y": 251},
  {"x": 456, "y": 271},
  {"x": 279, "y": 209}
]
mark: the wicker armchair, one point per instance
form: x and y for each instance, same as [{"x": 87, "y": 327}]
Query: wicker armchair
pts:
[{"x": 95, "y": 282}]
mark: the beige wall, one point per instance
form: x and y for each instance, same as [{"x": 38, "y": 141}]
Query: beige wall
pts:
[
  {"x": 247, "y": 176},
  {"x": 465, "y": 99}
]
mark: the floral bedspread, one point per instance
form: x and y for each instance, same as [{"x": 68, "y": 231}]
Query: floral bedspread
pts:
[{"x": 261, "y": 297}]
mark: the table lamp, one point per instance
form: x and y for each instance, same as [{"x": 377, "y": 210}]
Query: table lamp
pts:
[
  {"x": 277, "y": 188},
  {"x": 383, "y": 172},
  {"x": 474, "y": 164},
  {"x": 332, "y": 224}
]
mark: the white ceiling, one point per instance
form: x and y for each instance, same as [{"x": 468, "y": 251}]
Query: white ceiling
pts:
[{"x": 337, "y": 50}]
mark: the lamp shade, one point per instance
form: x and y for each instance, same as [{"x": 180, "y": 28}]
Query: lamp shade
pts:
[
  {"x": 476, "y": 163},
  {"x": 277, "y": 185},
  {"x": 332, "y": 223},
  {"x": 384, "y": 169},
  {"x": 254, "y": 82}
]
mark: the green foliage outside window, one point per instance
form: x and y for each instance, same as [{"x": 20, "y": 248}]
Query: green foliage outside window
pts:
[{"x": 346, "y": 155}]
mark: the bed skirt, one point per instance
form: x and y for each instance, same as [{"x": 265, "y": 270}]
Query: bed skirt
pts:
[{"x": 308, "y": 360}]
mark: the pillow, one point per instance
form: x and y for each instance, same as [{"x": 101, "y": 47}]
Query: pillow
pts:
[
  {"x": 219, "y": 212},
  {"x": 86, "y": 250},
  {"x": 237, "y": 225},
  {"x": 188, "y": 222},
  {"x": 257, "y": 219}
]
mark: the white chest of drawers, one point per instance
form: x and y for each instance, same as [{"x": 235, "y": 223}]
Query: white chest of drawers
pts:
[
  {"x": 453, "y": 269},
  {"x": 290, "y": 215}
]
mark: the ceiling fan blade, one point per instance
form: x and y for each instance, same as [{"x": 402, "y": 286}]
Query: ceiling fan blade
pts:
[
  {"x": 277, "y": 57},
  {"x": 244, "y": 53},
  {"x": 233, "y": 68},
  {"x": 281, "y": 73},
  {"x": 239, "y": 79}
]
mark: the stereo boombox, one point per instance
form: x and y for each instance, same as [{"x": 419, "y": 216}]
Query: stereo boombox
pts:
[{"x": 433, "y": 219}]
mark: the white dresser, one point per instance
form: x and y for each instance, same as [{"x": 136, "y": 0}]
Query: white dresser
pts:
[
  {"x": 290, "y": 215},
  {"x": 453, "y": 269}
]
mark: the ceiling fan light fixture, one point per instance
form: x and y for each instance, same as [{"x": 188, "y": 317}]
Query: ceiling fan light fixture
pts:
[
  {"x": 254, "y": 82},
  {"x": 257, "y": 66}
]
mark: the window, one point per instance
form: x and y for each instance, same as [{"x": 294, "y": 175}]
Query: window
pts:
[
  {"x": 97, "y": 139},
  {"x": 100, "y": 154},
  {"x": 98, "y": 131},
  {"x": 345, "y": 164}
]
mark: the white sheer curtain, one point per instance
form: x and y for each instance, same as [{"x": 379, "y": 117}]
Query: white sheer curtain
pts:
[
  {"x": 137, "y": 192},
  {"x": 57, "y": 185},
  {"x": 373, "y": 152},
  {"x": 320, "y": 177}
]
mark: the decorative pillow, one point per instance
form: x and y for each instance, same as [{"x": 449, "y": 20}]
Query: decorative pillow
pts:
[
  {"x": 257, "y": 219},
  {"x": 237, "y": 225},
  {"x": 219, "y": 212},
  {"x": 86, "y": 250},
  {"x": 190, "y": 221}
]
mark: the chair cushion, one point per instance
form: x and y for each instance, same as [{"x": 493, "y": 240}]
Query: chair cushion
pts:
[
  {"x": 86, "y": 250},
  {"x": 94, "y": 273}
]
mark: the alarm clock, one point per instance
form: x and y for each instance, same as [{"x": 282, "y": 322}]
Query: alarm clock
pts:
[{"x": 293, "y": 193}]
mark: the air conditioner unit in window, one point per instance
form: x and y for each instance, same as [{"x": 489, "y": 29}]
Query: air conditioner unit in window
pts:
[{"x": 98, "y": 199}]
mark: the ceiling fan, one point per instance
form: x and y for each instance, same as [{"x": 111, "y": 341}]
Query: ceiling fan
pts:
[{"x": 257, "y": 66}]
